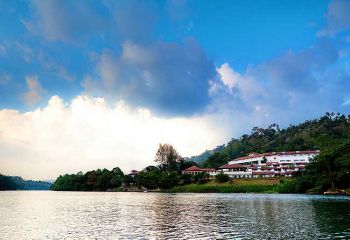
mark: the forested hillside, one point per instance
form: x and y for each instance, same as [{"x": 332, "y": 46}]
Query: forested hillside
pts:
[
  {"x": 18, "y": 183},
  {"x": 330, "y": 134},
  {"x": 331, "y": 169},
  {"x": 329, "y": 130}
]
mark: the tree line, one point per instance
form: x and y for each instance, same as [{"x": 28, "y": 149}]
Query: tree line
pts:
[
  {"x": 167, "y": 174},
  {"x": 18, "y": 183},
  {"x": 329, "y": 133},
  {"x": 331, "y": 169}
]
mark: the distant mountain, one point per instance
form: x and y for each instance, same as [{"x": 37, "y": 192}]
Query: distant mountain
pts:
[
  {"x": 205, "y": 155},
  {"x": 18, "y": 183}
]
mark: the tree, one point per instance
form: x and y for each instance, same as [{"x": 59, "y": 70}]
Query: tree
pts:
[
  {"x": 8, "y": 183},
  {"x": 168, "y": 180},
  {"x": 117, "y": 177},
  {"x": 167, "y": 155},
  {"x": 182, "y": 165},
  {"x": 186, "y": 178},
  {"x": 201, "y": 178},
  {"x": 149, "y": 179},
  {"x": 331, "y": 169},
  {"x": 222, "y": 177},
  {"x": 128, "y": 180},
  {"x": 216, "y": 160}
]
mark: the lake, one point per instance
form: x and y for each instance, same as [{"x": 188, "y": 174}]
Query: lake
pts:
[{"x": 96, "y": 215}]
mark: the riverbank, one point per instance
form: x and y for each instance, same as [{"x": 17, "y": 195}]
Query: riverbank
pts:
[{"x": 234, "y": 186}]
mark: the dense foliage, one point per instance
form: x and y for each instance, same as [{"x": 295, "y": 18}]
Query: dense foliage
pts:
[
  {"x": 331, "y": 169},
  {"x": 329, "y": 130},
  {"x": 222, "y": 177},
  {"x": 153, "y": 178},
  {"x": 216, "y": 160},
  {"x": 18, "y": 183},
  {"x": 330, "y": 134},
  {"x": 8, "y": 183},
  {"x": 97, "y": 180}
]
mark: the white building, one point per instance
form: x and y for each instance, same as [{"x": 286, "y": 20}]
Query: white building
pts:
[
  {"x": 269, "y": 164},
  {"x": 277, "y": 157},
  {"x": 236, "y": 170},
  {"x": 195, "y": 170}
]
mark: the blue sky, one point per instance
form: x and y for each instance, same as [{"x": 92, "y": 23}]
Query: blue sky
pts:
[{"x": 239, "y": 63}]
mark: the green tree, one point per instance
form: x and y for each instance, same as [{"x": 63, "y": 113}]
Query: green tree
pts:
[
  {"x": 150, "y": 177},
  {"x": 8, "y": 183},
  {"x": 168, "y": 180},
  {"x": 222, "y": 177},
  {"x": 201, "y": 178},
  {"x": 216, "y": 160},
  {"x": 186, "y": 178}
]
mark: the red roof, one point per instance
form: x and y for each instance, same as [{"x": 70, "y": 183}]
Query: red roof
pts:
[
  {"x": 193, "y": 168},
  {"x": 197, "y": 169},
  {"x": 232, "y": 166}
]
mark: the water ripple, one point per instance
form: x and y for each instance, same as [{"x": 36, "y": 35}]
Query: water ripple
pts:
[{"x": 82, "y": 215}]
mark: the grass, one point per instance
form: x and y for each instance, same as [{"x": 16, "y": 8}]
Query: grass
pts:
[{"x": 235, "y": 186}]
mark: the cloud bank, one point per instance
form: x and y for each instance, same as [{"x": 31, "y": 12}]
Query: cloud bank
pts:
[
  {"x": 170, "y": 78},
  {"x": 87, "y": 134}
]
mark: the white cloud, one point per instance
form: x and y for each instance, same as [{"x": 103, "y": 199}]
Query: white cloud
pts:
[
  {"x": 35, "y": 91},
  {"x": 87, "y": 134},
  {"x": 247, "y": 86},
  {"x": 228, "y": 76}
]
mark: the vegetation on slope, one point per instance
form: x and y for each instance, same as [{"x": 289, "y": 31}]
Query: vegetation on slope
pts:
[
  {"x": 18, "y": 183},
  {"x": 327, "y": 131},
  {"x": 331, "y": 169},
  {"x": 330, "y": 134}
]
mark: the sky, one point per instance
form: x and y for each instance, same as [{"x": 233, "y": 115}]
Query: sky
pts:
[{"x": 99, "y": 84}]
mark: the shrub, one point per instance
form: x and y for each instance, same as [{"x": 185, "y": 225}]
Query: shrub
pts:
[
  {"x": 186, "y": 178},
  {"x": 222, "y": 177},
  {"x": 201, "y": 178},
  {"x": 287, "y": 186}
]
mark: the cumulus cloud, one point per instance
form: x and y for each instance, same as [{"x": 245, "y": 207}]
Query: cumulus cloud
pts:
[
  {"x": 338, "y": 18},
  {"x": 87, "y": 133},
  {"x": 169, "y": 78},
  {"x": 34, "y": 92},
  {"x": 295, "y": 70},
  {"x": 281, "y": 89}
]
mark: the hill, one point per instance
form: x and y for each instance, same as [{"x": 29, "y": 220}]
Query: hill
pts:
[
  {"x": 18, "y": 183},
  {"x": 322, "y": 133},
  {"x": 329, "y": 133},
  {"x": 205, "y": 155}
]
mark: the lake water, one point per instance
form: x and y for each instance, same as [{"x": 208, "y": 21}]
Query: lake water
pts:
[{"x": 86, "y": 215}]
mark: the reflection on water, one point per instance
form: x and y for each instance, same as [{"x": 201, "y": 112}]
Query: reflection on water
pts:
[{"x": 77, "y": 215}]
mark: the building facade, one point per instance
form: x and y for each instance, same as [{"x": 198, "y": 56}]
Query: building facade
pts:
[
  {"x": 195, "y": 170},
  {"x": 272, "y": 164}
]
